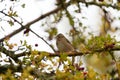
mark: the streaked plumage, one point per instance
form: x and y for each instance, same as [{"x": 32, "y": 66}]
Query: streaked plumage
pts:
[{"x": 63, "y": 44}]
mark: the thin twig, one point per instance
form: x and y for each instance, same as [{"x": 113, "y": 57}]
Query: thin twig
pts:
[
  {"x": 43, "y": 40},
  {"x": 15, "y": 20}
]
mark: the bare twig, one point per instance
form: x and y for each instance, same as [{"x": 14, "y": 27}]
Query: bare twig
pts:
[{"x": 43, "y": 40}]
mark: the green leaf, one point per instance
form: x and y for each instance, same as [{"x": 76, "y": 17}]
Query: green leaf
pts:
[
  {"x": 52, "y": 32},
  {"x": 23, "y": 5},
  {"x": 63, "y": 56},
  {"x": 11, "y": 23},
  {"x": 42, "y": 55},
  {"x": 15, "y": 14}
]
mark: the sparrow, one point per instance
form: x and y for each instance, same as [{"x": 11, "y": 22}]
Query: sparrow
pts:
[{"x": 63, "y": 44}]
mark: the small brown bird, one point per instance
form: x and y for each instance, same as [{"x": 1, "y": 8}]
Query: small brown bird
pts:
[{"x": 63, "y": 44}]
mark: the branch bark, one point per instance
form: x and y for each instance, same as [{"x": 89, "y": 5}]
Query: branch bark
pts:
[
  {"x": 30, "y": 23},
  {"x": 56, "y": 54}
]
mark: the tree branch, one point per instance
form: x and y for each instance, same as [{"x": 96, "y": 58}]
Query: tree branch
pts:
[
  {"x": 99, "y": 4},
  {"x": 73, "y": 53},
  {"x": 15, "y": 57},
  {"x": 30, "y": 23}
]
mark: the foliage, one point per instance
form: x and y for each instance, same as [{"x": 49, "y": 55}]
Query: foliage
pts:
[{"x": 23, "y": 62}]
